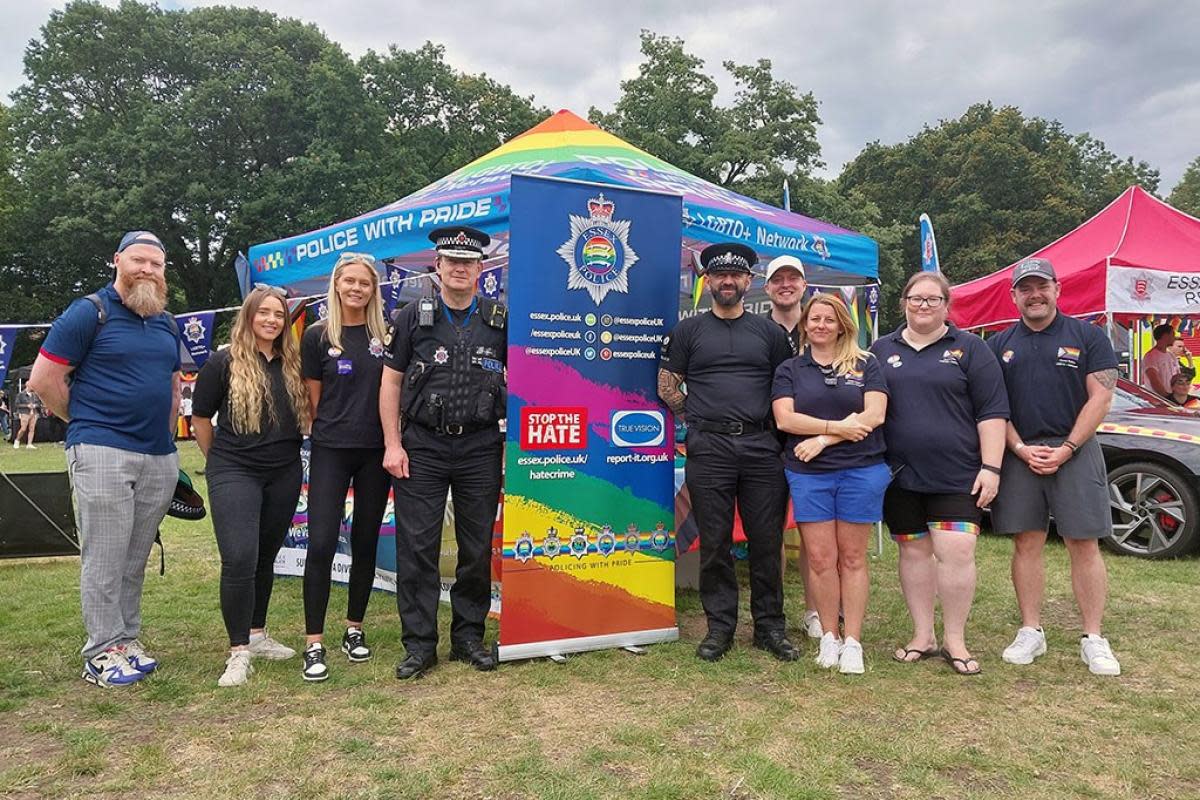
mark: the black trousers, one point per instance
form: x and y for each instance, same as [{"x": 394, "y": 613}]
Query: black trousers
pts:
[
  {"x": 331, "y": 471},
  {"x": 252, "y": 509},
  {"x": 720, "y": 471},
  {"x": 469, "y": 466}
]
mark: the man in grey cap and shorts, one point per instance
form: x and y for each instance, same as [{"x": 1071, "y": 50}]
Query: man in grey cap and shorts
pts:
[{"x": 1060, "y": 373}]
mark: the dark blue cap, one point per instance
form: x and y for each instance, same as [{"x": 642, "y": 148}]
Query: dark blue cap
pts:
[
  {"x": 728, "y": 257},
  {"x": 460, "y": 241},
  {"x": 140, "y": 237}
]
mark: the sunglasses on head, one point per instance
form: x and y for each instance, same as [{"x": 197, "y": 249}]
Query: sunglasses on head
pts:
[
  {"x": 278, "y": 291},
  {"x": 355, "y": 258}
]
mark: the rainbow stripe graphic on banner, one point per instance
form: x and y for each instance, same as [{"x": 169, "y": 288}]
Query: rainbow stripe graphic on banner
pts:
[{"x": 589, "y": 545}]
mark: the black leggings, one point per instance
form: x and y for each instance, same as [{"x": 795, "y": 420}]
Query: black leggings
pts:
[
  {"x": 331, "y": 471},
  {"x": 252, "y": 509}
]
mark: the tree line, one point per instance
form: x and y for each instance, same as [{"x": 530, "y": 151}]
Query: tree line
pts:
[{"x": 220, "y": 127}]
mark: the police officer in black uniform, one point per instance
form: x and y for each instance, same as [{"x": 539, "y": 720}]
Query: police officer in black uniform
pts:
[
  {"x": 728, "y": 358},
  {"x": 442, "y": 395}
]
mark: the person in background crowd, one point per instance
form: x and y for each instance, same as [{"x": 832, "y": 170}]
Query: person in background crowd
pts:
[
  {"x": 5, "y": 416},
  {"x": 253, "y": 467},
  {"x": 831, "y": 400},
  {"x": 1180, "y": 395},
  {"x": 29, "y": 409},
  {"x": 785, "y": 286},
  {"x": 727, "y": 358},
  {"x": 1160, "y": 365},
  {"x": 1187, "y": 365},
  {"x": 342, "y": 359},
  {"x": 122, "y": 355},
  {"x": 946, "y": 417},
  {"x": 1060, "y": 373},
  {"x": 442, "y": 396},
  {"x": 185, "y": 410}
]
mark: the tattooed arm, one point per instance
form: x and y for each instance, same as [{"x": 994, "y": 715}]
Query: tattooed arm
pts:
[
  {"x": 669, "y": 391},
  {"x": 1100, "y": 394}
]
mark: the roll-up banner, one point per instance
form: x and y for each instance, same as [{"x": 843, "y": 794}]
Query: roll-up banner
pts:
[{"x": 589, "y": 550}]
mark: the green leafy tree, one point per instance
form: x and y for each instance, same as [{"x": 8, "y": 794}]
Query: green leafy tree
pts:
[
  {"x": 670, "y": 111},
  {"x": 1186, "y": 194},
  {"x": 997, "y": 185}
]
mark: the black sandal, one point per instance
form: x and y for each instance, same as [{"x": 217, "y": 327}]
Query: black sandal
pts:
[
  {"x": 932, "y": 652},
  {"x": 961, "y": 665}
]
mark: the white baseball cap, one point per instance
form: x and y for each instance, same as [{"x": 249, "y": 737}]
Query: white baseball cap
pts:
[{"x": 784, "y": 262}]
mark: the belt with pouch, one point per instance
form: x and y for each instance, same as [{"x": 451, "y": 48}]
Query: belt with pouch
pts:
[
  {"x": 454, "y": 429},
  {"x": 729, "y": 428}
]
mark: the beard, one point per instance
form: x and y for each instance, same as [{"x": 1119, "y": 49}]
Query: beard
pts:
[
  {"x": 146, "y": 297},
  {"x": 728, "y": 300}
]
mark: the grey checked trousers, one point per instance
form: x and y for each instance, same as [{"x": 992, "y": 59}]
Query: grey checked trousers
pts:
[{"x": 120, "y": 500}]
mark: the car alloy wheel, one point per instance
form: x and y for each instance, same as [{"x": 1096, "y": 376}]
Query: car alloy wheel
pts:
[{"x": 1154, "y": 511}]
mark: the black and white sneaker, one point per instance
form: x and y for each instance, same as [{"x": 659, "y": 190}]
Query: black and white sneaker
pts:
[
  {"x": 314, "y": 663},
  {"x": 354, "y": 645}
]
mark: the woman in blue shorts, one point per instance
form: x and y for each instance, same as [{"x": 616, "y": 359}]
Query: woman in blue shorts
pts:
[
  {"x": 946, "y": 472},
  {"x": 830, "y": 400}
]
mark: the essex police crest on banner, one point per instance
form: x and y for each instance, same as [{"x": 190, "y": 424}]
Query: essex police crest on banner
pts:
[{"x": 598, "y": 252}]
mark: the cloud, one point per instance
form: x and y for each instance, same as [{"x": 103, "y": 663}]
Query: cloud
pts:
[{"x": 1125, "y": 73}]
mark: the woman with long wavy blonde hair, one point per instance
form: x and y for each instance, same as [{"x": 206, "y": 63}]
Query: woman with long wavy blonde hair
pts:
[
  {"x": 831, "y": 400},
  {"x": 342, "y": 363},
  {"x": 253, "y": 466}
]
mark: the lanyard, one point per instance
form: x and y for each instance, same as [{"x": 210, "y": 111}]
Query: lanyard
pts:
[{"x": 466, "y": 319}]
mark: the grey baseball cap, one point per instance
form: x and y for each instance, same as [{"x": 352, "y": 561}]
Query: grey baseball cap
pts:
[{"x": 1031, "y": 267}]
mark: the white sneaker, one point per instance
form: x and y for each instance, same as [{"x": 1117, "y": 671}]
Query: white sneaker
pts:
[
  {"x": 139, "y": 658},
  {"x": 1029, "y": 644},
  {"x": 30, "y": 447},
  {"x": 829, "y": 652},
  {"x": 263, "y": 646},
  {"x": 16, "y": 445},
  {"x": 812, "y": 625},
  {"x": 1098, "y": 656},
  {"x": 237, "y": 669},
  {"x": 851, "y": 660}
]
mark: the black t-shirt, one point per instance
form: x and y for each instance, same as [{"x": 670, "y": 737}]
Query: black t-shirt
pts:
[
  {"x": 276, "y": 444},
  {"x": 1046, "y": 373},
  {"x": 804, "y": 380},
  {"x": 728, "y": 365},
  {"x": 793, "y": 335},
  {"x": 937, "y": 397},
  {"x": 348, "y": 412}
]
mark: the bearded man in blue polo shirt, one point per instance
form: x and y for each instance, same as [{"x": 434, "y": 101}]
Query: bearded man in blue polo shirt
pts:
[
  {"x": 1060, "y": 373},
  {"x": 121, "y": 351}
]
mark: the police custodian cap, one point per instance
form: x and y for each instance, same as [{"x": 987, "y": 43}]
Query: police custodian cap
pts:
[
  {"x": 728, "y": 257},
  {"x": 459, "y": 241}
]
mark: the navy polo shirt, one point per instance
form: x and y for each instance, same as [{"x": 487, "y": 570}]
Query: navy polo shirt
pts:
[
  {"x": 121, "y": 388},
  {"x": 801, "y": 379},
  {"x": 728, "y": 365},
  {"x": 1046, "y": 373},
  {"x": 939, "y": 394}
]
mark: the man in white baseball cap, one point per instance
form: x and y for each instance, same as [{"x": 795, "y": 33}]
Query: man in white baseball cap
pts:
[{"x": 785, "y": 287}]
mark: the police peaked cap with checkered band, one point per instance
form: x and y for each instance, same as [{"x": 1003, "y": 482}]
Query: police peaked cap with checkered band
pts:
[
  {"x": 728, "y": 257},
  {"x": 459, "y": 241}
]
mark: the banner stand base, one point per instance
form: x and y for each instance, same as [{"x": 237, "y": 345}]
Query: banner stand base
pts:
[{"x": 582, "y": 644}]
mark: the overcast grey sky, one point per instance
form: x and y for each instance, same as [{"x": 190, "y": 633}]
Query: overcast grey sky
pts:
[{"x": 1126, "y": 72}]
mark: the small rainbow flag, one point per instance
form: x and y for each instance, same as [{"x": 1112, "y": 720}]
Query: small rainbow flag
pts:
[{"x": 697, "y": 291}]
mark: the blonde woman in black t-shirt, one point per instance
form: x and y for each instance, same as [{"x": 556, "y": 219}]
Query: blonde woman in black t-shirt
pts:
[
  {"x": 253, "y": 466},
  {"x": 342, "y": 360}
]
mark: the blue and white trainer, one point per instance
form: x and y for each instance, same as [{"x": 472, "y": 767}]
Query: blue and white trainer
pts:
[
  {"x": 111, "y": 668},
  {"x": 139, "y": 659}
]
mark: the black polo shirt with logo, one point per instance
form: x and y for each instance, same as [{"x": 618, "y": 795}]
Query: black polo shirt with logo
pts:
[
  {"x": 1046, "y": 373},
  {"x": 803, "y": 380},
  {"x": 727, "y": 364},
  {"x": 938, "y": 395}
]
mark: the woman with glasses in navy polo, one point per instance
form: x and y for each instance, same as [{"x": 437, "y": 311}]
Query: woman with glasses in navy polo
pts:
[
  {"x": 945, "y": 441},
  {"x": 342, "y": 363},
  {"x": 831, "y": 400}
]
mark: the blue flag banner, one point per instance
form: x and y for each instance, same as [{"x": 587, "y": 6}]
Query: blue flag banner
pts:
[
  {"x": 787, "y": 196},
  {"x": 8, "y": 339},
  {"x": 241, "y": 266},
  {"x": 317, "y": 311},
  {"x": 929, "y": 253},
  {"x": 588, "y": 559},
  {"x": 489, "y": 282},
  {"x": 196, "y": 330},
  {"x": 391, "y": 289}
]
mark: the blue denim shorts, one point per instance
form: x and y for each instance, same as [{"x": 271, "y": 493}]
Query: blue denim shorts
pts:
[{"x": 849, "y": 495}]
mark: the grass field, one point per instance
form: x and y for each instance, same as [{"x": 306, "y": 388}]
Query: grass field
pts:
[{"x": 603, "y": 725}]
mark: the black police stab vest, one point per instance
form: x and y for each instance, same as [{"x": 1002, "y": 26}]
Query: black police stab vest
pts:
[{"x": 455, "y": 379}]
